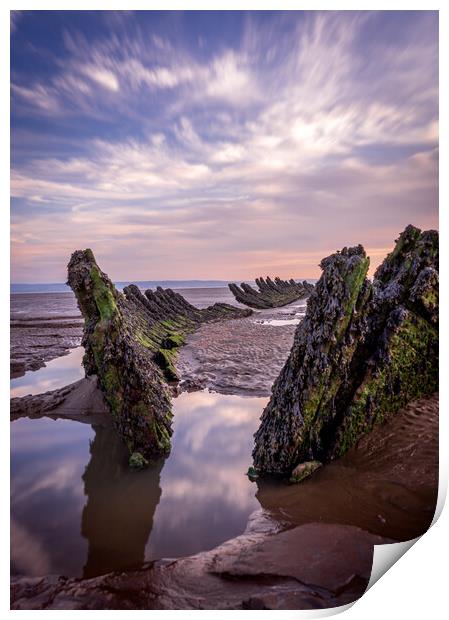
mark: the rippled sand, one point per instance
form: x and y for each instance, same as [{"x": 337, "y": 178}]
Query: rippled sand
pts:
[
  {"x": 387, "y": 484},
  {"x": 242, "y": 356}
]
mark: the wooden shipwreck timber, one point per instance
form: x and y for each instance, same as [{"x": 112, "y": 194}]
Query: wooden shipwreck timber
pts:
[
  {"x": 271, "y": 293},
  {"x": 363, "y": 350},
  {"x": 131, "y": 341}
]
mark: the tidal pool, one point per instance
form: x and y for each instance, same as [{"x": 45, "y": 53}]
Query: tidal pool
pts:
[
  {"x": 77, "y": 509},
  {"x": 54, "y": 375},
  {"x": 279, "y": 322}
]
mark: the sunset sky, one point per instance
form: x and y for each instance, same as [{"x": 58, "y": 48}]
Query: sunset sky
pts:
[{"x": 219, "y": 145}]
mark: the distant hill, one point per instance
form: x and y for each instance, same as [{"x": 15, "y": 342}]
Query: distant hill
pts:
[{"x": 60, "y": 287}]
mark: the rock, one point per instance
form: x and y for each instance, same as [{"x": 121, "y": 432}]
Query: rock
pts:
[
  {"x": 363, "y": 350},
  {"x": 252, "y": 473},
  {"x": 270, "y": 294},
  {"x": 130, "y": 342},
  {"x": 304, "y": 470},
  {"x": 35, "y": 405}
]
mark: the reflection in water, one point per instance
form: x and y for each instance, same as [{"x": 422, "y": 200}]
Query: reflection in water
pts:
[
  {"x": 206, "y": 496},
  {"x": 54, "y": 375},
  {"x": 196, "y": 500},
  {"x": 48, "y": 458},
  {"x": 279, "y": 322},
  {"x": 118, "y": 516}
]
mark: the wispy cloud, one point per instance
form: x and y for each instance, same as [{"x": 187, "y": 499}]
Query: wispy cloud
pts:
[{"x": 304, "y": 133}]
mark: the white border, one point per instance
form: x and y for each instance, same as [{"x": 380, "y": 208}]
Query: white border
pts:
[{"x": 415, "y": 584}]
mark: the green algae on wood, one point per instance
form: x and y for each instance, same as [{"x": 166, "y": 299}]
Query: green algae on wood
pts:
[
  {"x": 132, "y": 384},
  {"x": 165, "y": 359},
  {"x": 102, "y": 294},
  {"x": 252, "y": 473},
  {"x": 137, "y": 461},
  {"x": 131, "y": 341},
  {"x": 363, "y": 350}
]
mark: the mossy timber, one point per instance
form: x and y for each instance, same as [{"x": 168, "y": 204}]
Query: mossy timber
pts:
[
  {"x": 364, "y": 349},
  {"x": 271, "y": 293},
  {"x": 131, "y": 341}
]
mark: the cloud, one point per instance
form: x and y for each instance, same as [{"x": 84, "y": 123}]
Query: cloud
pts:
[
  {"x": 28, "y": 554},
  {"x": 305, "y": 133},
  {"x": 102, "y": 76},
  {"x": 229, "y": 79},
  {"x": 39, "y": 96},
  {"x": 135, "y": 64},
  {"x": 156, "y": 77}
]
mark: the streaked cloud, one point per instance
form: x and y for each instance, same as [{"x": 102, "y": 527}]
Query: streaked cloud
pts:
[
  {"x": 102, "y": 76},
  {"x": 28, "y": 554},
  {"x": 261, "y": 148}
]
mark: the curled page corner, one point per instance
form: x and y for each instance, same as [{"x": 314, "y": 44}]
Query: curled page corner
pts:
[
  {"x": 385, "y": 556},
  {"x": 388, "y": 554}
]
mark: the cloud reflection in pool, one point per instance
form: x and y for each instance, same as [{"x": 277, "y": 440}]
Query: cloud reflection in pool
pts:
[
  {"x": 78, "y": 509},
  {"x": 206, "y": 496}
]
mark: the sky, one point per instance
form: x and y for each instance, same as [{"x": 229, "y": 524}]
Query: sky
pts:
[{"x": 219, "y": 145}]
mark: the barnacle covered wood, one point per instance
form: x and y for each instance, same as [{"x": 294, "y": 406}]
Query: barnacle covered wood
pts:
[
  {"x": 271, "y": 293},
  {"x": 130, "y": 342},
  {"x": 363, "y": 350}
]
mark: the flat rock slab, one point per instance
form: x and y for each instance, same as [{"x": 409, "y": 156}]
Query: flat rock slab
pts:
[{"x": 326, "y": 555}]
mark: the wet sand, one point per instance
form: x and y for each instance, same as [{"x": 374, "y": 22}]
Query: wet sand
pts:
[
  {"x": 387, "y": 484},
  {"x": 242, "y": 356}
]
